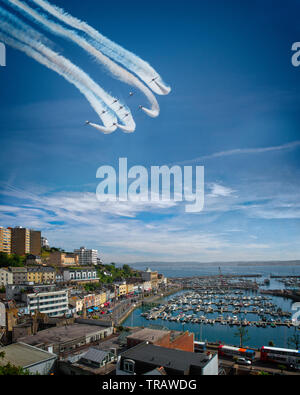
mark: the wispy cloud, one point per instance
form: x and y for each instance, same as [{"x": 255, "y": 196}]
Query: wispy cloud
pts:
[
  {"x": 140, "y": 231},
  {"x": 244, "y": 151},
  {"x": 218, "y": 190}
]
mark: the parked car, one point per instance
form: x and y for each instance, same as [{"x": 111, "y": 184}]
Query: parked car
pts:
[{"x": 244, "y": 361}]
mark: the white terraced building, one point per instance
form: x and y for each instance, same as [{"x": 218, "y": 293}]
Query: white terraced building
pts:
[
  {"x": 47, "y": 299},
  {"x": 54, "y": 303},
  {"x": 86, "y": 257}
]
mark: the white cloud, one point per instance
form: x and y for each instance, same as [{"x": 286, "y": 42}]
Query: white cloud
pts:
[
  {"x": 71, "y": 219},
  {"x": 219, "y": 190},
  {"x": 244, "y": 151}
]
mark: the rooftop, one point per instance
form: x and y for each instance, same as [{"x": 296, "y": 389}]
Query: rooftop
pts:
[
  {"x": 24, "y": 355},
  {"x": 166, "y": 357},
  {"x": 151, "y": 335},
  {"x": 95, "y": 355},
  {"x": 61, "y": 334}
]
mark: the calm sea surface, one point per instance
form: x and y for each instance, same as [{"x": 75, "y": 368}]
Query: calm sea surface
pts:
[{"x": 224, "y": 333}]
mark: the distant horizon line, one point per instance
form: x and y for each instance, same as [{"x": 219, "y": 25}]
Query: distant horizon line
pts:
[{"x": 294, "y": 261}]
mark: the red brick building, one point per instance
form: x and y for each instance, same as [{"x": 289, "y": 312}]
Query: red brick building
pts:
[{"x": 170, "y": 339}]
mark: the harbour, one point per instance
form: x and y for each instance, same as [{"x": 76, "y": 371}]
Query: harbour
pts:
[{"x": 215, "y": 306}]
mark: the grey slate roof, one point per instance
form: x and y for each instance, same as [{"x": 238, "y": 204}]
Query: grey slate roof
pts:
[
  {"x": 24, "y": 355},
  {"x": 166, "y": 357},
  {"x": 95, "y": 355}
]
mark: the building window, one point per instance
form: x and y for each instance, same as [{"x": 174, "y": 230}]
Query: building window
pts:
[{"x": 129, "y": 366}]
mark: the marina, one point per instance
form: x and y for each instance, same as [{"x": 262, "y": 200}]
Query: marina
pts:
[
  {"x": 215, "y": 306},
  {"x": 233, "y": 309}
]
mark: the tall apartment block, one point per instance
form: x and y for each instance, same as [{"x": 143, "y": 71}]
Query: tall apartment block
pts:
[
  {"x": 35, "y": 242},
  {"x": 86, "y": 257},
  {"x": 5, "y": 240},
  {"x": 20, "y": 241}
]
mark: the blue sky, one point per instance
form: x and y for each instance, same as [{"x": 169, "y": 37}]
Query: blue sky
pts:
[{"x": 234, "y": 108}]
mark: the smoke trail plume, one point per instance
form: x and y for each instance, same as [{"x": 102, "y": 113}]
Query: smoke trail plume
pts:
[
  {"x": 22, "y": 37},
  {"x": 114, "y": 68},
  {"x": 94, "y": 101},
  {"x": 129, "y": 60},
  {"x": 23, "y": 33}
]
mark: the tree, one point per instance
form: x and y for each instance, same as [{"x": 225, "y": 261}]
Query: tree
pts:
[
  {"x": 11, "y": 370},
  {"x": 263, "y": 373},
  {"x": 271, "y": 343},
  {"x": 242, "y": 333},
  {"x": 11, "y": 260}
]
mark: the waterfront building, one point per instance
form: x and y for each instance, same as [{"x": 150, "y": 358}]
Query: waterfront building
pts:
[
  {"x": 120, "y": 288},
  {"x": 151, "y": 276},
  {"x": 100, "y": 298},
  {"x": 77, "y": 302},
  {"x": 86, "y": 257},
  {"x": 89, "y": 300},
  {"x": 162, "y": 280},
  {"x": 146, "y": 286},
  {"x": 130, "y": 288}
]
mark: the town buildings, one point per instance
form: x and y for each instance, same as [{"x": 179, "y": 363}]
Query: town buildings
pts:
[
  {"x": 20, "y": 241},
  {"x": 32, "y": 274},
  {"x": 61, "y": 259},
  {"x": 45, "y": 243},
  {"x": 32, "y": 359},
  {"x": 61, "y": 340},
  {"x": 47, "y": 299},
  {"x": 6, "y": 277},
  {"x": 144, "y": 358},
  {"x": 19, "y": 275},
  {"x": 86, "y": 257},
  {"x": 80, "y": 274},
  {"x": 151, "y": 276},
  {"x": 164, "y": 338},
  {"x": 5, "y": 240}
]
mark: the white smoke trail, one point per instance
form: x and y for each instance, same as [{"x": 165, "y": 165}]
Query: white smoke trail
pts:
[
  {"x": 132, "y": 62},
  {"x": 93, "y": 100},
  {"x": 32, "y": 38},
  {"x": 114, "y": 68}
]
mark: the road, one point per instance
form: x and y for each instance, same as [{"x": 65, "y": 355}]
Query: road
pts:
[{"x": 257, "y": 364}]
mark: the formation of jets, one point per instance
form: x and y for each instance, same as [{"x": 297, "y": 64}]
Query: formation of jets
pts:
[{"x": 121, "y": 107}]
